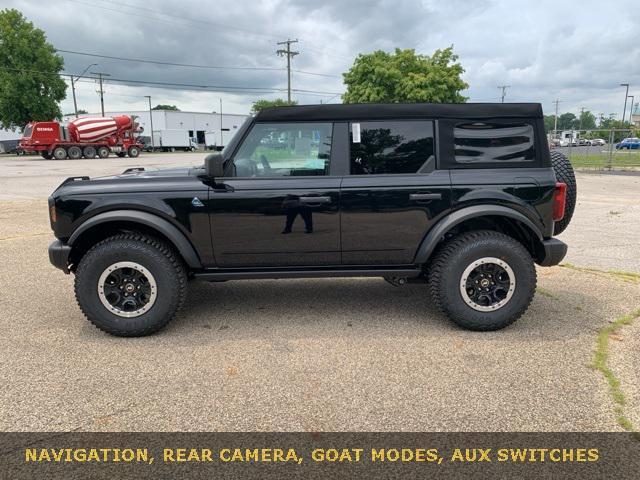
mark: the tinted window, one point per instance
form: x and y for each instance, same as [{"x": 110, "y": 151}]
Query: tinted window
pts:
[
  {"x": 390, "y": 147},
  {"x": 285, "y": 149},
  {"x": 493, "y": 142}
]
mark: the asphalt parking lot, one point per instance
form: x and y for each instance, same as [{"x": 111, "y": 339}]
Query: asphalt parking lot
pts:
[{"x": 316, "y": 355}]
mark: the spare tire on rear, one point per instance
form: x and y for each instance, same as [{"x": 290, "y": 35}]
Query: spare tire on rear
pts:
[{"x": 564, "y": 173}]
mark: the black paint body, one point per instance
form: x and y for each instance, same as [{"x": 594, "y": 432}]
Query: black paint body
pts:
[{"x": 368, "y": 221}]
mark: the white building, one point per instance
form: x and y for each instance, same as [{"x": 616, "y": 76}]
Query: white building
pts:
[{"x": 196, "y": 123}]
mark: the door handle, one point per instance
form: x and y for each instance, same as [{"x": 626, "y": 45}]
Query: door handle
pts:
[
  {"x": 425, "y": 196},
  {"x": 315, "y": 199}
]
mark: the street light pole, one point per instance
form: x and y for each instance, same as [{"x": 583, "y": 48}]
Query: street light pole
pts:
[
  {"x": 221, "y": 141},
  {"x": 625, "y": 100},
  {"x": 153, "y": 147},
  {"x": 73, "y": 87},
  {"x": 631, "y": 109}
]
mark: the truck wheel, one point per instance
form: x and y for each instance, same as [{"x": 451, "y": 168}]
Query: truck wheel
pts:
[
  {"x": 134, "y": 152},
  {"x": 564, "y": 173},
  {"x": 89, "y": 152},
  {"x": 74, "y": 152},
  {"x": 59, "y": 153},
  {"x": 103, "y": 152},
  {"x": 482, "y": 280},
  {"x": 130, "y": 285}
]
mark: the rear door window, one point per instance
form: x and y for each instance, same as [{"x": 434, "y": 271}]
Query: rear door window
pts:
[
  {"x": 390, "y": 147},
  {"x": 493, "y": 142}
]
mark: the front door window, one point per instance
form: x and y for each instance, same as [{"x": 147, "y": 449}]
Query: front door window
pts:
[{"x": 285, "y": 150}]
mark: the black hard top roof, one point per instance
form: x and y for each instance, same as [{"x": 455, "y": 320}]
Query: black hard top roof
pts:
[{"x": 366, "y": 111}]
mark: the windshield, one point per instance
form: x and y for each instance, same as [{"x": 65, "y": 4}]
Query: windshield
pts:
[{"x": 27, "y": 131}]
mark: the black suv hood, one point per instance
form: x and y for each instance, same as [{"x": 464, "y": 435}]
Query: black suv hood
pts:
[{"x": 134, "y": 180}]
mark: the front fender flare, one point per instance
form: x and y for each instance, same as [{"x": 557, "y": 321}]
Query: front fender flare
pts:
[
  {"x": 438, "y": 231},
  {"x": 171, "y": 232}
]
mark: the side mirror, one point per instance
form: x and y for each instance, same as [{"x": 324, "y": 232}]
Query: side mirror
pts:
[{"x": 214, "y": 165}]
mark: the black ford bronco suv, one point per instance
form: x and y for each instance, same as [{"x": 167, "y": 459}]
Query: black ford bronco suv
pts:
[{"x": 463, "y": 197}]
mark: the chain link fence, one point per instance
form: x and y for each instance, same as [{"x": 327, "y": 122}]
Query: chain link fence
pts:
[{"x": 617, "y": 149}]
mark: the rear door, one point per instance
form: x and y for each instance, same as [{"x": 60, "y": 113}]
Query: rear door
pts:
[
  {"x": 280, "y": 207},
  {"x": 393, "y": 194}
]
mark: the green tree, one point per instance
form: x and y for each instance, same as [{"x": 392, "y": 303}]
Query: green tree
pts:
[
  {"x": 278, "y": 102},
  {"x": 166, "y": 107},
  {"x": 549, "y": 122},
  {"x": 81, "y": 111},
  {"x": 567, "y": 121},
  {"x": 587, "y": 120},
  {"x": 404, "y": 76},
  {"x": 30, "y": 87}
]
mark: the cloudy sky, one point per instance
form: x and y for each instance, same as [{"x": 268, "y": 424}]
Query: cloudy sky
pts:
[{"x": 575, "y": 51}]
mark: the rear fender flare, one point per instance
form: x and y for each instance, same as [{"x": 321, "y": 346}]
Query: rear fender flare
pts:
[
  {"x": 438, "y": 231},
  {"x": 171, "y": 232}
]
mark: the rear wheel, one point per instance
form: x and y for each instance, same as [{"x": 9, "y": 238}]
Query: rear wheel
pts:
[
  {"x": 134, "y": 152},
  {"x": 564, "y": 173},
  {"x": 89, "y": 152},
  {"x": 59, "y": 153},
  {"x": 130, "y": 285},
  {"x": 74, "y": 152},
  {"x": 482, "y": 280},
  {"x": 103, "y": 152}
]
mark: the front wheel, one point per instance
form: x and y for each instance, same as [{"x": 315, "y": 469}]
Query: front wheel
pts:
[
  {"x": 133, "y": 152},
  {"x": 482, "y": 280},
  {"x": 130, "y": 285}
]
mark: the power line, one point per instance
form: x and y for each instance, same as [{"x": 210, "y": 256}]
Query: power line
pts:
[
  {"x": 158, "y": 62},
  {"x": 189, "y": 65},
  {"x": 188, "y": 86}
]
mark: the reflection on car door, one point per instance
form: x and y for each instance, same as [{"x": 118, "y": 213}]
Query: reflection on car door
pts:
[{"x": 280, "y": 208}]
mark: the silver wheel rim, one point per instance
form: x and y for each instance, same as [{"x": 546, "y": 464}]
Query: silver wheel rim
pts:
[
  {"x": 138, "y": 290},
  {"x": 497, "y": 293}
]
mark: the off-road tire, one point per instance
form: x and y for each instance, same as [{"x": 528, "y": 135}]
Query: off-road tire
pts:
[
  {"x": 455, "y": 255},
  {"x": 564, "y": 173},
  {"x": 161, "y": 260}
]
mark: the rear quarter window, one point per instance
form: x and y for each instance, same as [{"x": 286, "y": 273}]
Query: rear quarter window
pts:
[{"x": 493, "y": 143}]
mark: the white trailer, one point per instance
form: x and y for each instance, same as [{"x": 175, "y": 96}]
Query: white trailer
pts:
[
  {"x": 173, "y": 139},
  {"x": 214, "y": 141}
]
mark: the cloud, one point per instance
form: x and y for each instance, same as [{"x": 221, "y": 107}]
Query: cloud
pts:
[{"x": 574, "y": 51}]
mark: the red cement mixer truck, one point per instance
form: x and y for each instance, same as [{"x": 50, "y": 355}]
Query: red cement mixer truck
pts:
[{"x": 83, "y": 137}]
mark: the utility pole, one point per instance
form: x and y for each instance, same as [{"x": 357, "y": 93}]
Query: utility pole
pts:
[
  {"x": 282, "y": 52},
  {"x": 100, "y": 75},
  {"x": 153, "y": 147},
  {"x": 221, "y": 141},
  {"x": 504, "y": 91},
  {"x": 555, "y": 121},
  {"x": 73, "y": 87},
  {"x": 625, "y": 100},
  {"x": 631, "y": 109},
  {"x": 581, "y": 114}
]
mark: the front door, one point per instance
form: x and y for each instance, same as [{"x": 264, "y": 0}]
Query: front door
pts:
[
  {"x": 394, "y": 193},
  {"x": 280, "y": 207}
]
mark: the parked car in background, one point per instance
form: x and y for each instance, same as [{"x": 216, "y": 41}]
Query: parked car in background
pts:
[
  {"x": 629, "y": 143},
  {"x": 597, "y": 142},
  {"x": 584, "y": 142}
]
